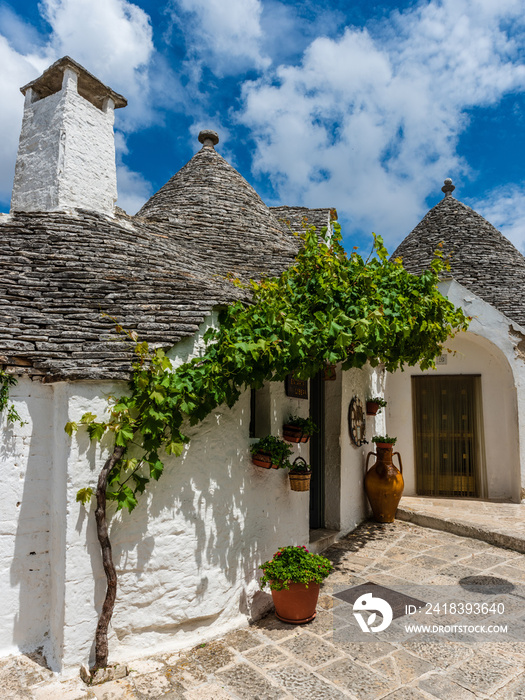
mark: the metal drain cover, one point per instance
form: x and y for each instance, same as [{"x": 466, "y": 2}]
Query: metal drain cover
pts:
[{"x": 397, "y": 601}]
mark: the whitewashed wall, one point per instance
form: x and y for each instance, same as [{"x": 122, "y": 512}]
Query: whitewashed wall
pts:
[
  {"x": 489, "y": 350},
  {"x": 188, "y": 556},
  {"x": 26, "y": 473},
  {"x": 346, "y": 502}
]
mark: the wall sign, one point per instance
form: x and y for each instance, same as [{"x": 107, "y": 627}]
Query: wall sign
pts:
[{"x": 298, "y": 388}]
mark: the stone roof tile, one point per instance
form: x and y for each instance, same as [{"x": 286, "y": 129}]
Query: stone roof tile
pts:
[
  {"x": 223, "y": 217},
  {"x": 61, "y": 272},
  {"x": 160, "y": 272},
  {"x": 482, "y": 259}
]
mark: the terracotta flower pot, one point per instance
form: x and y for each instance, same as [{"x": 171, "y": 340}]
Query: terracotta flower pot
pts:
[
  {"x": 264, "y": 460},
  {"x": 292, "y": 433},
  {"x": 371, "y": 408},
  {"x": 298, "y": 604}
]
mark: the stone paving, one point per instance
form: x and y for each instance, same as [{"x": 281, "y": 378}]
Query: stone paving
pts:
[
  {"x": 502, "y": 524},
  {"x": 325, "y": 659}
]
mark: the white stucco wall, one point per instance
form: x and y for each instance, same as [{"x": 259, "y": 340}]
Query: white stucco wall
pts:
[
  {"x": 187, "y": 557},
  {"x": 346, "y": 502},
  {"x": 66, "y": 154},
  {"x": 25, "y": 564},
  {"x": 354, "y": 504},
  {"x": 489, "y": 350}
]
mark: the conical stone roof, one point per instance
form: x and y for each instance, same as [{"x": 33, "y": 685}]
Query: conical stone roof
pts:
[
  {"x": 224, "y": 218},
  {"x": 481, "y": 258},
  {"x": 161, "y": 273}
]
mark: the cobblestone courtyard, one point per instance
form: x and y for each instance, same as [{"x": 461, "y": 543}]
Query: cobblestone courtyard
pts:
[{"x": 323, "y": 660}]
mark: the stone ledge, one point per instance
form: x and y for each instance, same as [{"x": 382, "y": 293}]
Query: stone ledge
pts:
[{"x": 462, "y": 528}]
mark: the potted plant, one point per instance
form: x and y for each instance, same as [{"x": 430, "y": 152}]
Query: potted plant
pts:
[
  {"x": 300, "y": 474},
  {"x": 384, "y": 441},
  {"x": 294, "y": 576},
  {"x": 374, "y": 405},
  {"x": 271, "y": 453},
  {"x": 383, "y": 481},
  {"x": 298, "y": 429}
]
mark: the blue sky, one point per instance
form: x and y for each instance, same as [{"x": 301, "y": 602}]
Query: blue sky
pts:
[{"x": 363, "y": 106}]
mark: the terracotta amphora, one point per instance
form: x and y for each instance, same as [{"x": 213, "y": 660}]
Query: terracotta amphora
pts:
[{"x": 384, "y": 483}]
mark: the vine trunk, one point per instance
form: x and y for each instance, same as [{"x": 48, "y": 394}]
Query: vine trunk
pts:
[{"x": 101, "y": 636}]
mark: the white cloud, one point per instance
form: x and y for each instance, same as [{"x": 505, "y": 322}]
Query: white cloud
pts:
[
  {"x": 369, "y": 123},
  {"x": 17, "y": 70},
  {"x": 227, "y": 36},
  {"x": 504, "y": 207},
  {"x": 113, "y": 40}
]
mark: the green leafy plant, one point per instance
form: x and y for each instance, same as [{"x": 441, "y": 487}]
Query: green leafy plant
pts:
[
  {"x": 306, "y": 425},
  {"x": 384, "y": 438},
  {"x": 278, "y": 450},
  {"x": 300, "y": 466},
  {"x": 6, "y": 382},
  {"x": 294, "y": 564},
  {"x": 328, "y": 307}
]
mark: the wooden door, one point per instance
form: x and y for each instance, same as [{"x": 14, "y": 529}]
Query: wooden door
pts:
[{"x": 448, "y": 435}]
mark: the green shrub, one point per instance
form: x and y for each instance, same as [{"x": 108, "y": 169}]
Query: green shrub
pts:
[{"x": 294, "y": 564}]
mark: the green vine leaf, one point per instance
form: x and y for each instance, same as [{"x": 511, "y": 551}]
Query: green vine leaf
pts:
[
  {"x": 87, "y": 418},
  {"x": 329, "y": 307},
  {"x": 96, "y": 430},
  {"x": 175, "y": 447},
  {"x": 84, "y": 495},
  {"x": 71, "y": 427}
]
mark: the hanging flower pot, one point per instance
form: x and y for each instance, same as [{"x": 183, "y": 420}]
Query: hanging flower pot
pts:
[
  {"x": 300, "y": 475},
  {"x": 271, "y": 453},
  {"x": 374, "y": 405},
  {"x": 329, "y": 373},
  {"x": 298, "y": 429},
  {"x": 264, "y": 460}
]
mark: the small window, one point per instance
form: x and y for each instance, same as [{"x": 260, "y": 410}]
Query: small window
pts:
[{"x": 260, "y": 414}]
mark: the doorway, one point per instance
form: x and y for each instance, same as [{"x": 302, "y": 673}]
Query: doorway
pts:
[{"x": 448, "y": 435}]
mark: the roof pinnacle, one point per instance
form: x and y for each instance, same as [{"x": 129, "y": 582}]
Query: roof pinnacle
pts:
[
  {"x": 209, "y": 138},
  {"x": 448, "y": 187}
]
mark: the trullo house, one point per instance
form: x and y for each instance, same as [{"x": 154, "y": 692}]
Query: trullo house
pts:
[
  {"x": 187, "y": 556},
  {"x": 462, "y": 426}
]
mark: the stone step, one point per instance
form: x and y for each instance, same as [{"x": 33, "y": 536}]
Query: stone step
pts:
[
  {"x": 492, "y": 533},
  {"x": 321, "y": 539}
]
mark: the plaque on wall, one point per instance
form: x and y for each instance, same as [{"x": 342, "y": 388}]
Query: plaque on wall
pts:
[{"x": 298, "y": 388}]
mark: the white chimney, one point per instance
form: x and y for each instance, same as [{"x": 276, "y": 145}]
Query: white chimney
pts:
[{"x": 66, "y": 154}]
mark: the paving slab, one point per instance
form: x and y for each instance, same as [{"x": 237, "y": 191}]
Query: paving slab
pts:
[{"x": 331, "y": 658}]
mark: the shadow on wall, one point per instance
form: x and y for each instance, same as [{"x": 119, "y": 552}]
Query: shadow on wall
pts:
[
  {"x": 187, "y": 556},
  {"x": 26, "y": 456}
]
